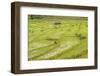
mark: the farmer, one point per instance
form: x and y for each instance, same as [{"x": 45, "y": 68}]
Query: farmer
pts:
[{"x": 56, "y": 24}]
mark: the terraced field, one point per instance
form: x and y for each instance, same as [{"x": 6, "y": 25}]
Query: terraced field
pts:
[{"x": 57, "y": 37}]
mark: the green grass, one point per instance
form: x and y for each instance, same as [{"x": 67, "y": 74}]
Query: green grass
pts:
[{"x": 57, "y": 37}]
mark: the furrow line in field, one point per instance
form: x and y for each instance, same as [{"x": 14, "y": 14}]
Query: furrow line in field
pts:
[
  {"x": 55, "y": 54},
  {"x": 72, "y": 52},
  {"x": 41, "y": 51}
]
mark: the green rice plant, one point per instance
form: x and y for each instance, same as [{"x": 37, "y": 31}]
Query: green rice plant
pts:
[{"x": 57, "y": 37}]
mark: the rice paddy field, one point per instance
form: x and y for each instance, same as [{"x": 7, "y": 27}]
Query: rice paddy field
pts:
[{"x": 57, "y": 37}]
